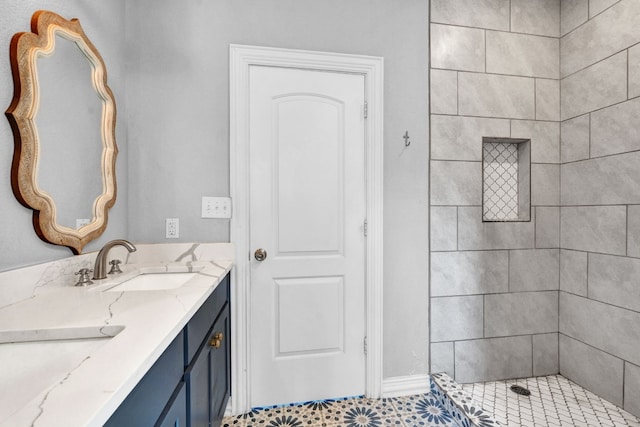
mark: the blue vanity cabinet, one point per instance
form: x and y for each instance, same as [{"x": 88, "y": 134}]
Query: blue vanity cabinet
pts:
[
  {"x": 208, "y": 373},
  {"x": 220, "y": 368},
  {"x": 189, "y": 385}
]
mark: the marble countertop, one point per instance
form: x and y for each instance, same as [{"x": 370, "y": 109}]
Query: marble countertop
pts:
[{"x": 70, "y": 355}]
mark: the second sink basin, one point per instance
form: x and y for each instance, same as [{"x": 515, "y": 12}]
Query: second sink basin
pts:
[
  {"x": 33, "y": 361},
  {"x": 154, "y": 282}
]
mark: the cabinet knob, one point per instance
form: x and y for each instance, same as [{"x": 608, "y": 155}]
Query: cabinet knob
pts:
[{"x": 216, "y": 341}]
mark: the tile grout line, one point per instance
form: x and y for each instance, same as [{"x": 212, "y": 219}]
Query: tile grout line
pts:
[
  {"x": 589, "y": 137},
  {"x": 624, "y": 376},
  {"x": 588, "y": 256},
  {"x": 626, "y": 234}
]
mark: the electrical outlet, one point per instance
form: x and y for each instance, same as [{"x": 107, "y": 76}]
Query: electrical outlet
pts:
[
  {"x": 216, "y": 207},
  {"x": 81, "y": 222},
  {"x": 172, "y": 228}
]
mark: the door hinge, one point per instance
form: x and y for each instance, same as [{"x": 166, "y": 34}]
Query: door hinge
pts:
[
  {"x": 365, "y": 228},
  {"x": 366, "y": 110},
  {"x": 365, "y": 345}
]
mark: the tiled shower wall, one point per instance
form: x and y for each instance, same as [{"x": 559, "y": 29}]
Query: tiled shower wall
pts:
[
  {"x": 600, "y": 194},
  {"x": 494, "y": 286}
]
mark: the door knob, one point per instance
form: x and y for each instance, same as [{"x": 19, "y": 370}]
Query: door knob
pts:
[{"x": 260, "y": 254}]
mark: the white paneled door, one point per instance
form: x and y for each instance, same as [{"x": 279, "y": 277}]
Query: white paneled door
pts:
[{"x": 307, "y": 234}]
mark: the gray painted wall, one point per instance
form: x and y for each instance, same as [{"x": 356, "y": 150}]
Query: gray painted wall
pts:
[
  {"x": 103, "y": 22},
  {"x": 600, "y": 195},
  {"x": 178, "y": 101},
  {"x": 172, "y": 96}
]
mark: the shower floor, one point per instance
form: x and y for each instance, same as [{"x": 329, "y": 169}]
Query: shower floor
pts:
[{"x": 554, "y": 401}]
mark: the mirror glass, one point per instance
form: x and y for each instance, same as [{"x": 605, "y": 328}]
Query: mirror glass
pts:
[
  {"x": 68, "y": 122},
  {"x": 63, "y": 120}
]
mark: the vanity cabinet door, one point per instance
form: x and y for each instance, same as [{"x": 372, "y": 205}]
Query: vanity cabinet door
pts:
[
  {"x": 220, "y": 378},
  {"x": 146, "y": 402},
  {"x": 208, "y": 376},
  {"x": 197, "y": 377},
  {"x": 175, "y": 413}
]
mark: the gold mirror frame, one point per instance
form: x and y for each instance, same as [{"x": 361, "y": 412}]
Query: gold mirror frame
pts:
[{"x": 24, "y": 52}]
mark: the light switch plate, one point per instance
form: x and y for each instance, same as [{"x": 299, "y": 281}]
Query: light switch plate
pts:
[{"x": 216, "y": 207}]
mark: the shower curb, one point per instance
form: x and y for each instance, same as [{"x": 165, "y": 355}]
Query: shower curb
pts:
[{"x": 463, "y": 409}]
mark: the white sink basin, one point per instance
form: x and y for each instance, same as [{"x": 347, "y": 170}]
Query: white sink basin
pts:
[
  {"x": 36, "y": 361},
  {"x": 154, "y": 282}
]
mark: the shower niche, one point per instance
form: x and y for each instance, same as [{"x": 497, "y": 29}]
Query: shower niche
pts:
[{"x": 506, "y": 179}]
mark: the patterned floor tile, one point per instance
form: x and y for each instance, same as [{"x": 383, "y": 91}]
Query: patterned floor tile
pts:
[
  {"x": 554, "y": 402},
  {"x": 358, "y": 412},
  {"x": 417, "y": 411},
  {"x": 364, "y": 418},
  {"x": 407, "y": 404},
  {"x": 297, "y": 415}
]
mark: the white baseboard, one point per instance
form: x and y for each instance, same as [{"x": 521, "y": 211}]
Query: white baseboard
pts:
[
  {"x": 405, "y": 386},
  {"x": 228, "y": 411}
]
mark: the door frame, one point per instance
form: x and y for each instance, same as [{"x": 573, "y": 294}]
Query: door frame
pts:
[{"x": 241, "y": 58}]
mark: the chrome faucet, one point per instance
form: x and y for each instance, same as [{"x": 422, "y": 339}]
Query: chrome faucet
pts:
[{"x": 100, "y": 269}]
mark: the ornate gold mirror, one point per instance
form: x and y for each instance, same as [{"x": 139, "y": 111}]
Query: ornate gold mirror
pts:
[{"x": 63, "y": 120}]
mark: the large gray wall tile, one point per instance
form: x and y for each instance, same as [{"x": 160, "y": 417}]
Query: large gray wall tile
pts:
[
  {"x": 493, "y": 14},
  {"x": 612, "y": 31},
  {"x": 444, "y": 228},
  {"x": 493, "y": 359},
  {"x": 545, "y": 185},
  {"x": 442, "y": 358},
  {"x": 547, "y": 227},
  {"x": 520, "y": 313},
  {"x": 633, "y": 231},
  {"x": 456, "y": 183},
  {"x": 468, "y": 273},
  {"x": 573, "y": 272},
  {"x": 491, "y": 95},
  {"x": 534, "y": 270},
  {"x": 616, "y": 129},
  {"x": 593, "y": 228},
  {"x": 457, "y": 48},
  {"x": 634, "y": 71},
  {"x": 614, "y": 280},
  {"x": 547, "y": 99},
  {"x": 573, "y": 13},
  {"x": 522, "y": 55},
  {"x": 598, "y": 86},
  {"x": 611, "y": 329},
  {"x": 444, "y": 92},
  {"x": 545, "y": 139},
  {"x": 456, "y": 318},
  {"x": 591, "y": 368},
  {"x": 574, "y": 138},
  {"x": 474, "y": 234},
  {"x": 545, "y": 355},
  {"x": 540, "y": 17},
  {"x": 460, "y": 138},
  {"x": 597, "y": 6},
  {"x": 632, "y": 389},
  {"x": 602, "y": 181}
]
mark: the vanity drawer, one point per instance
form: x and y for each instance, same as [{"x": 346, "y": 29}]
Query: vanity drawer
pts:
[{"x": 199, "y": 325}]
